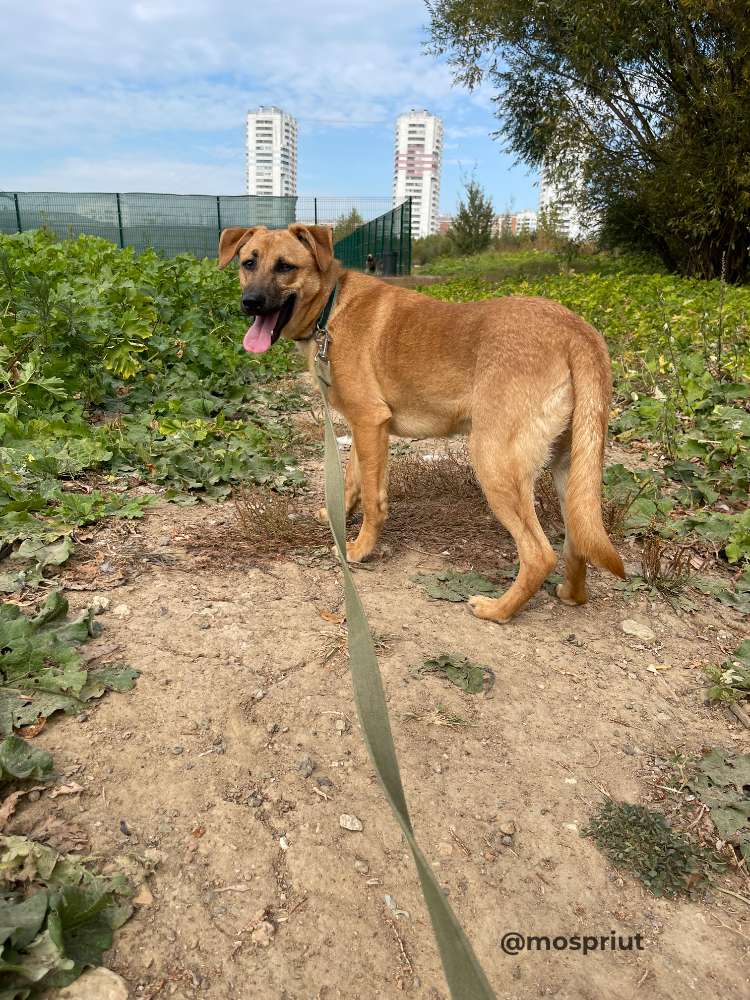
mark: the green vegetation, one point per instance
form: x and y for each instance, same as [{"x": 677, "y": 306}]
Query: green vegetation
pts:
[
  {"x": 41, "y": 670},
  {"x": 57, "y": 917},
  {"x": 640, "y": 107},
  {"x": 681, "y": 356},
  {"x": 720, "y": 780},
  {"x": 127, "y": 369},
  {"x": 731, "y": 680},
  {"x": 471, "y": 229},
  {"x": 638, "y": 840}
]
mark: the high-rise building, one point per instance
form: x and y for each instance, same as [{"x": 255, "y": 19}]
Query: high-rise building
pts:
[
  {"x": 417, "y": 162},
  {"x": 557, "y": 208},
  {"x": 271, "y": 152}
]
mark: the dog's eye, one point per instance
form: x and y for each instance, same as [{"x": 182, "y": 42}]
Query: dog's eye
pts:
[
  {"x": 284, "y": 267},
  {"x": 249, "y": 264}
]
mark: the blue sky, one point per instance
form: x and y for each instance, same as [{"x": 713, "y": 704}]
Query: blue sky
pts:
[{"x": 151, "y": 96}]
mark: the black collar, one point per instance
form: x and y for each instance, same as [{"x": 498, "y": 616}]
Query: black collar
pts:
[{"x": 321, "y": 323}]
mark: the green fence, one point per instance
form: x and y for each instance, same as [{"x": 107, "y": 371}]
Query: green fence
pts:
[
  {"x": 176, "y": 223},
  {"x": 382, "y": 246}
]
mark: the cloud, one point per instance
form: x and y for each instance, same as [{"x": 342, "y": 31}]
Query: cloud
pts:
[
  {"x": 135, "y": 173},
  {"x": 106, "y": 68}
]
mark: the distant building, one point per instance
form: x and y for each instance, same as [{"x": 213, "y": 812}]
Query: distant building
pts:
[
  {"x": 443, "y": 223},
  {"x": 515, "y": 223},
  {"x": 271, "y": 152},
  {"x": 556, "y": 204},
  {"x": 418, "y": 160}
]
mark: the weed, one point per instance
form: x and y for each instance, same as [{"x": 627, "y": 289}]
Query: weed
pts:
[{"x": 638, "y": 840}]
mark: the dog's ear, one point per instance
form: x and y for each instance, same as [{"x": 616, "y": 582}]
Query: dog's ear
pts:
[
  {"x": 232, "y": 239},
  {"x": 318, "y": 240}
]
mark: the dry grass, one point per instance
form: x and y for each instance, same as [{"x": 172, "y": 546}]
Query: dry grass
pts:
[
  {"x": 666, "y": 568},
  {"x": 437, "y": 716},
  {"x": 270, "y": 524},
  {"x": 436, "y": 505}
]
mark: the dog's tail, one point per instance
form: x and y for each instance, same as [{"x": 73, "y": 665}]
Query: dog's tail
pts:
[{"x": 592, "y": 390}]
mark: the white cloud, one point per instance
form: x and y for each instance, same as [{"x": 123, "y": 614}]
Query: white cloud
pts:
[
  {"x": 109, "y": 68},
  {"x": 136, "y": 173}
]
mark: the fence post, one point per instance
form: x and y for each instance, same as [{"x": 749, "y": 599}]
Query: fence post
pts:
[
  {"x": 408, "y": 240},
  {"x": 218, "y": 212},
  {"x": 119, "y": 221},
  {"x": 315, "y": 210},
  {"x": 18, "y": 212}
]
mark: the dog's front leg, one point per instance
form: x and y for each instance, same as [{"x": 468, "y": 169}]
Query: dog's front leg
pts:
[{"x": 371, "y": 448}]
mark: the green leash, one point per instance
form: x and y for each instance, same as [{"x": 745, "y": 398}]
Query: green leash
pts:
[{"x": 466, "y": 979}]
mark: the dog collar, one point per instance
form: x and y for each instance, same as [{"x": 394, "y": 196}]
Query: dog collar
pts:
[{"x": 323, "y": 338}]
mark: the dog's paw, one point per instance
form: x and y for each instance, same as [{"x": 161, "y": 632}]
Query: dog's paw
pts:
[
  {"x": 356, "y": 553},
  {"x": 321, "y": 516},
  {"x": 564, "y": 594},
  {"x": 488, "y": 608}
]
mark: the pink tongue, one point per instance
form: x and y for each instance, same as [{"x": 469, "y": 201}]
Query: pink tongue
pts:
[{"x": 258, "y": 337}]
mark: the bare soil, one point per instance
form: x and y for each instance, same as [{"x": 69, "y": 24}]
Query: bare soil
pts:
[{"x": 200, "y": 776}]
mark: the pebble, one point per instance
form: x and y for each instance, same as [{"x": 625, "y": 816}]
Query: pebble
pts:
[
  {"x": 34, "y": 796},
  {"x": 263, "y": 934},
  {"x": 507, "y": 826},
  {"x": 362, "y": 867},
  {"x": 640, "y": 631},
  {"x": 178, "y": 750},
  {"x": 283, "y": 843},
  {"x": 506, "y": 840},
  {"x": 324, "y": 783},
  {"x": 306, "y": 766},
  {"x": 341, "y": 726},
  {"x": 259, "y": 695},
  {"x": 96, "y": 984},
  {"x": 99, "y": 604},
  {"x": 350, "y": 823},
  {"x": 121, "y": 611}
]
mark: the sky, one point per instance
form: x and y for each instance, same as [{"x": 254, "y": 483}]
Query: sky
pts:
[{"x": 152, "y": 96}]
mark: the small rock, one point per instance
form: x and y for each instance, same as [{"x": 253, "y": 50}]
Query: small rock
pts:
[
  {"x": 259, "y": 695},
  {"x": 254, "y": 800},
  {"x": 350, "y": 823},
  {"x": 83, "y": 717},
  {"x": 631, "y": 627},
  {"x": 324, "y": 783},
  {"x": 341, "y": 726},
  {"x": 445, "y": 849},
  {"x": 283, "y": 843},
  {"x": 506, "y": 840},
  {"x": 306, "y": 766},
  {"x": 263, "y": 934},
  {"x": 121, "y": 611},
  {"x": 144, "y": 897},
  {"x": 96, "y": 984},
  {"x": 507, "y": 826},
  {"x": 178, "y": 750},
  {"x": 34, "y": 795},
  {"x": 362, "y": 867},
  {"x": 99, "y": 604}
]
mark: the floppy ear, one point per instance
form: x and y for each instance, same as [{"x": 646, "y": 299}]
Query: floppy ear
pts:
[
  {"x": 318, "y": 240},
  {"x": 232, "y": 239}
]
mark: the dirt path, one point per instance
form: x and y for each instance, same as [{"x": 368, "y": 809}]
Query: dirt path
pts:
[{"x": 202, "y": 774}]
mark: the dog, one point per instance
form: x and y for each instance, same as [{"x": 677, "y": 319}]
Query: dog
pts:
[{"x": 528, "y": 380}]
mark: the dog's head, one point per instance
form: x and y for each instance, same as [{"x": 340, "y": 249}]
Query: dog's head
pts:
[{"x": 283, "y": 274}]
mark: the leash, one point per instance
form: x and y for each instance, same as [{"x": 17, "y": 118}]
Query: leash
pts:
[{"x": 465, "y": 976}]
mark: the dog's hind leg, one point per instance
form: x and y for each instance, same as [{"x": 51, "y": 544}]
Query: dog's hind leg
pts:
[
  {"x": 573, "y": 590},
  {"x": 509, "y": 445},
  {"x": 371, "y": 444},
  {"x": 352, "y": 487}
]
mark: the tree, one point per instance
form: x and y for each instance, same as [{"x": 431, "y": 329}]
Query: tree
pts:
[
  {"x": 346, "y": 224},
  {"x": 471, "y": 229},
  {"x": 648, "y": 99}
]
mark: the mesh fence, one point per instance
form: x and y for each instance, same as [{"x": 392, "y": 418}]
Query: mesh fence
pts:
[
  {"x": 382, "y": 245},
  {"x": 176, "y": 223}
]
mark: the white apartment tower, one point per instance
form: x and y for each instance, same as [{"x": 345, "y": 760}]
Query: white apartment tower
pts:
[
  {"x": 417, "y": 163},
  {"x": 271, "y": 152}
]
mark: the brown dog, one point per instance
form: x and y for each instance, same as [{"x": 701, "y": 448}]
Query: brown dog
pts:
[{"x": 527, "y": 379}]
